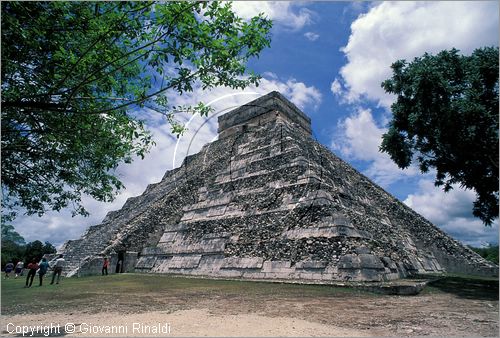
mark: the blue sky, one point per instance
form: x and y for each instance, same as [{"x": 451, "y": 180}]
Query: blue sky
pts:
[{"x": 329, "y": 58}]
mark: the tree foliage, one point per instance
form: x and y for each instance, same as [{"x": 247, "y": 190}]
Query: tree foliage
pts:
[
  {"x": 12, "y": 245},
  {"x": 489, "y": 252},
  {"x": 48, "y": 248},
  {"x": 9, "y": 234},
  {"x": 74, "y": 75},
  {"x": 15, "y": 249},
  {"x": 36, "y": 250},
  {"x": 446, "y": 118},
  {"x": 12, "y": 252}
]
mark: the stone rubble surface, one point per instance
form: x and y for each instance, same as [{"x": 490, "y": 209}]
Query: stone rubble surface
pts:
[{"x": 266, "y": 201}]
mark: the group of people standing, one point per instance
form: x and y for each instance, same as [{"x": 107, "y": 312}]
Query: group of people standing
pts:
[
  {"x": 33, "y": 267},
  {"x": 43, "y": 266},
  {"x": 18, "y": 269}
]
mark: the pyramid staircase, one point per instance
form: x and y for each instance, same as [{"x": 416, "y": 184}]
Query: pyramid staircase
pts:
[{"x": 266, "y": 201}]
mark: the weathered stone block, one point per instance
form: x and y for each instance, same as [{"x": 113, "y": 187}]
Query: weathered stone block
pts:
[
  {"x": 229, "y": 273},
  {"x": 275, "y": 266},
  {"x": 273, "y": 104},
  {"x": 188, "y": 216},
  {"x": 146, "y": 262},
  {"x": 215, "y": 245},
  {"x": 370, "y": 262},
  {"x": 340, "y": 220},
  {"x": 389, "y": 263},
  {"x": 362, "y": 250},
  {"x": 349, "y": 261},
  {"x": 331, "y": 269},
  {"x": 311, "y": 265},
  {"x": 184, "y": 262},
  {"x": 161, "y": 265},
  {"x": 216, "y": 211},
  {"x": 169, "y": 237},
  {"x": 415, "y": 265},
  {"x": 210, "y": 263},
  {"x": 242, "y": 263},
  {"x": 220, "y": 235},
  {"x": 279, "y": 275},
  {"x": 175, "y": 227},
  {"x": 370, "y": 275},
  {"x": 253, "y": 275},
  {"x": 305, "y": 275},
  {"x": 299, "y": 233}
]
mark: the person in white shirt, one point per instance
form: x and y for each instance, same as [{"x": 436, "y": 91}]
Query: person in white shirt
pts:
[
  {"x": 58, "y": 267},
  {"x": 19, "y": 268}
]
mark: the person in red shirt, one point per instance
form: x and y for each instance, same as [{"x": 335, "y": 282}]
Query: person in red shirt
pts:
[
  {"x": 32, "y": 267},
  {"x": 105, "y": 265}
]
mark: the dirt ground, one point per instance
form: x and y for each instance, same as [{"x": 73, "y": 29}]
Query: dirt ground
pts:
[
  {"x": 436, "y": 315},
  {"x": 199, "y": 322},
  {"x": 271, "y": 311}
]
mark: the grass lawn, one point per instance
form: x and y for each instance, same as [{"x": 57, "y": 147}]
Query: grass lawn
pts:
[
  {"x": 132, "y": 291},
  {"x": 452, "y": 305}
]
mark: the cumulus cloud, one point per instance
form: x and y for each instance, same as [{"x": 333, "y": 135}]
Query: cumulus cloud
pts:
[
  {"x": 168, "y": 153},
  {"x": 311, "y": 36},
  {"x": 358, "y": 137},
  {"x": 298, "y": 93},
  {"x": 336, "y": 87},
  {"x": 404, "y": 30},
  {"x": 451, "y": 211},
  {"x": 283, "y": 13},
  {"x": 387, "y": 32}
]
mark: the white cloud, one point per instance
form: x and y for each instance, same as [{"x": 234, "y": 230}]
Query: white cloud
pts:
[
  {"x": 361, "y": 136},
  {"x": 283, "y": 13},
  {"x": 358, "y": 137},
  {"x": 298, "y": 93},
  {"x": 311, "y": 36},
  {"x": 387, "y": 32},
  {"x": 336, "y": 87},
  {"x": 59, "y": 227},
  {"x": 404, "y": 30},
  {"x": 452, "y": 212}
]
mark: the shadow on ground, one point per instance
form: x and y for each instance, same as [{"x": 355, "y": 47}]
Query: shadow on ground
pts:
[{"x": 469, "y": 288}]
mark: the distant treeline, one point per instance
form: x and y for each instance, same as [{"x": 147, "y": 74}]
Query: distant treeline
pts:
[
  {"x": 15, "y": 249},
  {"x": 490, "y": 252}
]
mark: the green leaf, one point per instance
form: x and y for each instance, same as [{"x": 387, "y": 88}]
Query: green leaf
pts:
[
  {"x": 445, "y": 117},
  {"x": 73, "y": 77}
]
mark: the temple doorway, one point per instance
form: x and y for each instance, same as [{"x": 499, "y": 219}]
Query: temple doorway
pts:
[{"x": 120, "y": 262}]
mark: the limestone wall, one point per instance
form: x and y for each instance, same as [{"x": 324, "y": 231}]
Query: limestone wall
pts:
[
  {"x": 252, "y": 112},
  {"x": 266, "y": 201}
]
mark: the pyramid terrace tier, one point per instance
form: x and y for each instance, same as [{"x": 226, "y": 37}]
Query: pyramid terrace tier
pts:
[
  {"x": 266, "y": 201},
  {"x": 261, "y": 111}
]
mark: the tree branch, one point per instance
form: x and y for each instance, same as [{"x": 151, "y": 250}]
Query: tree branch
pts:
[
  {"x": 96, "y": 42},
  {"x": 141, "y": 99},
  {"x": 88, "y": 78}
]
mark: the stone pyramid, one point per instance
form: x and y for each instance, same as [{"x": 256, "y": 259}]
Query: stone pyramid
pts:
[{"x": 266, "y": 201}]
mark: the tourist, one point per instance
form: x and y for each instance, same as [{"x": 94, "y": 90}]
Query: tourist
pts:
[
  {"x": 58, "y": 268},
  {"x": 19, "y": 268},
  {"x": 105, "y": 265},
  {"x": 8, "y": 269},
  {"x": 43, "y": 267},
  {"x": 32, "y": 267}
]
